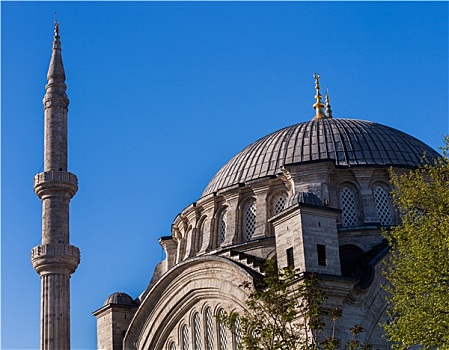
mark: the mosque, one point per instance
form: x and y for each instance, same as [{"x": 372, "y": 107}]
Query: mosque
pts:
[{"x": 314, "y": 196}]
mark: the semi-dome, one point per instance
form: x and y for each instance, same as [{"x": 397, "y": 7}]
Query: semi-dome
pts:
[{"x": 348, "y": 142}]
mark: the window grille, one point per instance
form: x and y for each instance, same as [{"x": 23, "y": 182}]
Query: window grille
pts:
[
  {"x": 279, "y": 204},
  {"x": 250, "y": 220},
  {"x": 349, "y": 212},
  {"x": 222, "y": 341},
  {"x": 185, "y": 338},
  {"x": 223, "y": 225},
  {"x": 209, "y": 330},
  {"x": 383, "y": 206},
  {"x": 237, "y": 333},
  {"x": 172, "y": 346},
  {"x": 254, "y": 334},
  {"x": 196, "y": 332}
]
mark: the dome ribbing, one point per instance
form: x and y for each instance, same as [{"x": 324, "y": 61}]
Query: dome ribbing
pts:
[
  {"x": 119, "y": 298},
  {"x": 348, "y": 142}
]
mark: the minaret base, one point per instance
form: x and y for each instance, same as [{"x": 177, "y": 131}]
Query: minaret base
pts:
[
  {"x": 55, "y": 305},
  {"x": 55, "y": 263}
]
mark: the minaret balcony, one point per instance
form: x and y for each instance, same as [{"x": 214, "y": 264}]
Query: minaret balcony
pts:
[
  {"x": 55, "y": 258},
  {"x": 51, "y": 183}
]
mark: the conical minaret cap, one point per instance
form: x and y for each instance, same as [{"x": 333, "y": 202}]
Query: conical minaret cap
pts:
[{"x": 56, "y": 86}]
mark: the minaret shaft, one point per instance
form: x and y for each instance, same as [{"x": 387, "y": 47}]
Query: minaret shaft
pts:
[
  {"x": 55, "y": 220},
  {"x": 55, "y": 288},
  {"x": 55, "y": 142},
  {"x": 55, "y": 259}
]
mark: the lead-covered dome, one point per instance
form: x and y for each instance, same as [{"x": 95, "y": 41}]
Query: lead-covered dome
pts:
[
  {"x": 348, "y": 142},
  {"x": 119, "y": 298}
]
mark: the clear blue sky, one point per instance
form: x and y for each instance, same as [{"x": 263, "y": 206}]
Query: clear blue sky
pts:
[{"x": 162, "y": 94}]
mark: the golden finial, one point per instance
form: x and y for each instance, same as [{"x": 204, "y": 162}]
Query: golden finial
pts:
[
  {"x": 318, "y": 104},
  {"x": 328, "y": 111}
]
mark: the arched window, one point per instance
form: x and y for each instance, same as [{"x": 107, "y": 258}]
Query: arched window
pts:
[
  {"x": 196, "y": 332},
  {"x": 180, "y": 252},
  {"x": 223, "y": 225},
  {"x": 237, "y": 336},
  {"x": 188, "y": 243},
  {"x": 200, "y": 234},
  {"x": 250, "y": 220},
  {"x": 347, "y": 205},
  {"x": 279, "y": 204},
  {"x": 172, "y": 346},
  {"x": 185, "y": 337},
  {"x": 222, "y": 341},
  {"x": 383, "y": 205},
  {"x": 209, "y": 329}
]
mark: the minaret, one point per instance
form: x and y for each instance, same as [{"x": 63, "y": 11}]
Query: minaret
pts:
[{"x": 55, "y": 259}]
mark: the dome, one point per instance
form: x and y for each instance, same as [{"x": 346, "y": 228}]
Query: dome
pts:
[
  {"x": 304, "y": 197},
  {"x": 119, "y": 298},
  {"x": 348, "y": 142}
]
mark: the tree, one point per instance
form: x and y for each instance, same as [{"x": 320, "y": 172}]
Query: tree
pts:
[
  {"x": 418, "y": 266},
  {"x": 285, "y": 311}
]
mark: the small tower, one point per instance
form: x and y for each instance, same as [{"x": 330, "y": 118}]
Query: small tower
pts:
[
  {"x": 113, "y": 320},
  {"x": 55, "y": 259},
  {"x": 306, "y": 230}
]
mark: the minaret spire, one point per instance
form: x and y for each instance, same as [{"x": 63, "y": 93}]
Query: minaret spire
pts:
[
  {"x": 55, "y": 99},
  {"x": 55, "y": 259},
  {"x": 328, "y": 111},
  {"x": 318, "y": 104}
]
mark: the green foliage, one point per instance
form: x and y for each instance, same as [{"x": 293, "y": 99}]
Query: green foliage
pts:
[
  {"x": 285, "y": 312},
  {"x": 419, "y": 262}
]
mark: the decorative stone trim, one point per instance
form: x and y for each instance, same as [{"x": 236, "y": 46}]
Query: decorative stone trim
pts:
[
  {"x": 49, "y": 182},
  {"x": 54, "y": 102},
  {"x": 55, "y": 176},
  {"x": 55, "y": 258}
]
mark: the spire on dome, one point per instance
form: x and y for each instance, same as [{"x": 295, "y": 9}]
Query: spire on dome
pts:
[
  {"x": 318, "y": 104},
  {"x": 328, "y": 111},
  {"x": 56, "y": 86}
]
